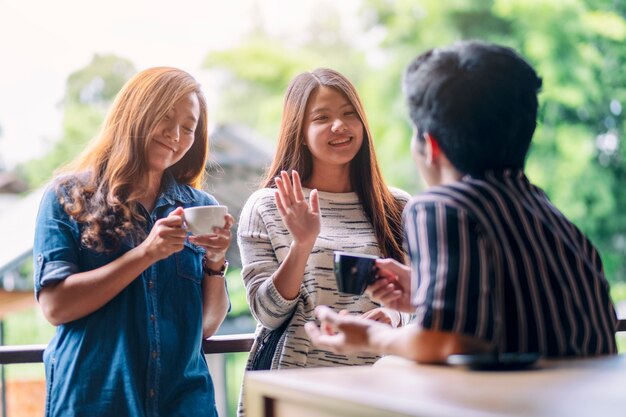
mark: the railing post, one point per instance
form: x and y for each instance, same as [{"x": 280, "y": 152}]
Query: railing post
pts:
[
  {"x": 2, "y": 376},
  {"x": 217, "y": 368}
]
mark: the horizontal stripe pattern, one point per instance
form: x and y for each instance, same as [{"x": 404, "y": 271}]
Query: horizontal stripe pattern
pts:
[
  {"x": 264, "y": 243},
  {"x": 494, "y": 259}
]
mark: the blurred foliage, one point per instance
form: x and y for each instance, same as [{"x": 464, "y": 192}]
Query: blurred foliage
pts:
[
  {"x": 235, "y": 367},
  {"x": 89, "y": 92},
  {"x": 254, "y": 75},
  {"x": 27, "y": 327},
  {"x": 577, "y": 46},
  {"x": 237, "y": 294}
]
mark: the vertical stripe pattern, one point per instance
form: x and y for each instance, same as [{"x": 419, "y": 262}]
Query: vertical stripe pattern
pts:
[{"x": 494, "y": 259}]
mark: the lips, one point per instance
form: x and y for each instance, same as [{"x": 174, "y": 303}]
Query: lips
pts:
[
  {"x": 166, "y": 146},
  {"x": 340, "y": 141}
]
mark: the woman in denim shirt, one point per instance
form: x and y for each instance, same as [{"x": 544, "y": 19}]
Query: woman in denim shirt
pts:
[{"x": 132, "y": 295}]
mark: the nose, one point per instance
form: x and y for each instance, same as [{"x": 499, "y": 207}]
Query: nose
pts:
[
  {"x": 338, "y": 125},
  {"x": 172, "y": 132}
]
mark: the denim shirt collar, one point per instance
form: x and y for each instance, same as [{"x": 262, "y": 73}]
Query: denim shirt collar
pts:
[{"x": 173, "y": 192}]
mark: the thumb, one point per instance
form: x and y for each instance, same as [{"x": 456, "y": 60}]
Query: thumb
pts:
[
  {"x": 175, "y": 218},
  {"x": 178, "y": 211}
]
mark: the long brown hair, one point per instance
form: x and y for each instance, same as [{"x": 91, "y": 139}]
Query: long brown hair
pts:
[
  {"x": 381, "y": 208},
  {"x": 107, "y": 179}
]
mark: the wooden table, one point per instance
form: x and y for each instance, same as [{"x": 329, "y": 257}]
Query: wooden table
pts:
[{"x": 395, "y": 387}]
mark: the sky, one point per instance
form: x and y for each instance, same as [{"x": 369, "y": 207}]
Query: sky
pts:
[{"x": 42, "y": 42}]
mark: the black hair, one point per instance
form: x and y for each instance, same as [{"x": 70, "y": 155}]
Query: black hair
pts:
[{"x": 478, "y": 100}]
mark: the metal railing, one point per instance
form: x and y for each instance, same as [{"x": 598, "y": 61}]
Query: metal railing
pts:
[
  {"x": 215, "y": 347},
  {"x": 216, "y": 344}
]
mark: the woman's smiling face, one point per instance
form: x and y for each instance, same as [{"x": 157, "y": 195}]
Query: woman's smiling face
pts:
[
  {"x": 174, "y": 134},
  {"x": 333, "y": 129}
]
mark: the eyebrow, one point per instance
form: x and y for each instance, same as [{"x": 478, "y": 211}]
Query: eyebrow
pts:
[
  {"x": 192, "y": 118},
  {"x": 320, "y": 109}
]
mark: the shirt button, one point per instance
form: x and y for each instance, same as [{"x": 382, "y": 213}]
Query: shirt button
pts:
[
  {"x": 150, "y": 284},
  {"x": 154, "y": 354},
  {"x": 151, "y": 317},
  {"x": 152, "y": 393}
]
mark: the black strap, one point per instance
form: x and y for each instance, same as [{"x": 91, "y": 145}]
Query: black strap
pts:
[{"x": 264, "y": 354}]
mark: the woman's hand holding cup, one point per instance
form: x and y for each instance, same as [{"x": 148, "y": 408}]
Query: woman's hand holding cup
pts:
[
  {"x": 166, "y": 237},
  {"x": 214, "y": 239}
]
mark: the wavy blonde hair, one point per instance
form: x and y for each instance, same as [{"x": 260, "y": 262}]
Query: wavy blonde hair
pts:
[
  {"x": 105, "y": 182},
  {"x": 380, "y": 206}
]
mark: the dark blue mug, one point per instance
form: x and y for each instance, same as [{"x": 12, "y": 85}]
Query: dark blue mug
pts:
[{"x": 354, "y": 272}]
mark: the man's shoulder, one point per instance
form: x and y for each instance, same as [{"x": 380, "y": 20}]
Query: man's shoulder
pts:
[{"x": 446, "y": 195}]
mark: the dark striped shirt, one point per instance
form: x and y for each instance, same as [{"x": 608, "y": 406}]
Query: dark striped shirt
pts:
[{"x": 494, "y": 259}]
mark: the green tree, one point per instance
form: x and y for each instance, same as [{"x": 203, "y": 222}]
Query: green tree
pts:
[
  {"x": 255, "y": 76},
  {"x": 577, "y": 47},
  {"x": 89, "y": 92}
]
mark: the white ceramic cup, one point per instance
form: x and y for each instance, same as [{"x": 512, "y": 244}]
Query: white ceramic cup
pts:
[{"x": 202, "y": 219}]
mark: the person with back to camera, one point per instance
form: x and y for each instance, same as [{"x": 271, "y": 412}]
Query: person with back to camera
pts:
[
  {"x": 132, "y": 295},
  {"x": 495, "y": 267},
  {"x": 323, "y": 193}
]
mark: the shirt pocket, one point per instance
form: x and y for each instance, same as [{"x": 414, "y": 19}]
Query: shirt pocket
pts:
[{"x": 189, "y": 263}]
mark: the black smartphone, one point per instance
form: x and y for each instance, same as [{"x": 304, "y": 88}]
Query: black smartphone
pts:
[{"x": 495, "y": 361}]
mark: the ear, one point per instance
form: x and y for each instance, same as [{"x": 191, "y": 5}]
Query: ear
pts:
[{"x": 432, "y": 151}]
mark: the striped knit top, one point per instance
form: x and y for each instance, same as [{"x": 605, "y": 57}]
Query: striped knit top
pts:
[
  {"x": 494, "y": 259},
  {"x": 264, "y": 243}
]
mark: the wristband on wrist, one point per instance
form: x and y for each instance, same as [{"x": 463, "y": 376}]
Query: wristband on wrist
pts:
[{"x": 221, "y": 273}]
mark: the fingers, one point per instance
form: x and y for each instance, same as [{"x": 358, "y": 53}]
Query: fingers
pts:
[
  {"x": 289, "y": 192},
  {"x": 391, "y": 266},
  {"x": 230, "y": 220},
  {"x": 315, "y": 202},
  {"x": 298, "y": 194},
  {"x": 282, "y": 190},
  {"x": 312, "y": 330},
  {"x": 178, "y": 211},
  {"x": 279, "y": 203},
  {"x": 171, "y": 227},
  {"x": 225, "y": 230},
  {"x": 322, "y": 338},
  {"x": 287, "y": 188},
  {"x": 385, "y": 293},
  {"x": 174, "y": 219},
  {"x": 290, "y": 189},
  {"x": 377, "y": 314},
  {"x": 324, "y": 313}
]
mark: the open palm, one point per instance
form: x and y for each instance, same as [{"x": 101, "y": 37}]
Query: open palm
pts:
[{"x": 301, "y": 218}]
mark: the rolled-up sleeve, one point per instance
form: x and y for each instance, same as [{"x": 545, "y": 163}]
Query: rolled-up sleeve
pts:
[
  {"x": 55, "y": 249},
  {"x": 450, "y": 267}
]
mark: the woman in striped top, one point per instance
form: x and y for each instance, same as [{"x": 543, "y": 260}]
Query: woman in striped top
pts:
[
  {"x": 495, "y": 266},
  {"x": 323, "y": 193}
]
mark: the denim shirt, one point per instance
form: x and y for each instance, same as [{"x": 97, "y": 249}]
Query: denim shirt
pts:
[{"x": 140, "y": 354}]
